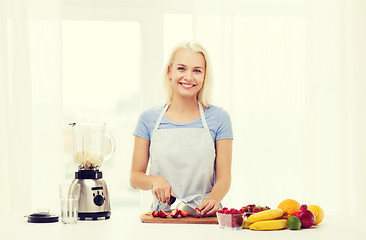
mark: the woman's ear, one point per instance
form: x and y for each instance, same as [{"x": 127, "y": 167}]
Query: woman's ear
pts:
[{"x": 169, "y": 72}]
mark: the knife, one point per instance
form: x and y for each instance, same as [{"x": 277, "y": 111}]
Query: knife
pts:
[
  {"x": 192, "y": 212},
  {"x": 172, "y": 199}
]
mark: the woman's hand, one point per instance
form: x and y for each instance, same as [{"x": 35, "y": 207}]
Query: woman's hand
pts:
[
  {"x": 162, "y": 189},
  {"x": 209, "y": 207}
]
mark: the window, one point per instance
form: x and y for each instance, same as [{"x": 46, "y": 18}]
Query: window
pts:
[{"x": 101, "y": 74}]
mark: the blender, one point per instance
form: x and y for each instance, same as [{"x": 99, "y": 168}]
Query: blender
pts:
[{"x": 88, "y": 153}]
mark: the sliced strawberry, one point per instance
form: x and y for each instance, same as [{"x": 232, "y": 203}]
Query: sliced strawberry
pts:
[
  {"x": 155, "y": 214},
  {"x": 183, "y": 213},
  {"x": 198, "y": 210},
  {"x": 175, "y": 213},
  {"x": 162, "y": 214}
]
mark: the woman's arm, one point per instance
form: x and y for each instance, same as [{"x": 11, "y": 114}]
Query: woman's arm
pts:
[
  {"x": 138, "y": 177},
  {"x": 223, "y": 177}
]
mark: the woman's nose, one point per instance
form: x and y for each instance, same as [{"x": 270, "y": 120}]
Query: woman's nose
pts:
[{"x": 188, "y": 75}]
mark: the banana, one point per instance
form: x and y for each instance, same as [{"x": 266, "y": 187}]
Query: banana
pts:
[
  {"x": 265, "y": 215},
  {"x": 246, "y": 225},
  {"x": 269, "y": 225}
]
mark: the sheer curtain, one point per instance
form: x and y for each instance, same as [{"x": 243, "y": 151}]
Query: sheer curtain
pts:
[
  {"x": 31, "y": 143},
  {"x": 290, "y": 74}
]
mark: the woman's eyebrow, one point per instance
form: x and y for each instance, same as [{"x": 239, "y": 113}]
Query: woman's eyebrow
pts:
[{"x": 186, "y": 66}]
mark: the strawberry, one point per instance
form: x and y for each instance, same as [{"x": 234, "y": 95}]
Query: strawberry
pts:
[
  {"x": 198, "y": 210},
  {"x": 175, "y": 213},
  {"x": 236, "y": 221},
  {"x": 256, "y": 209},
  {"x": 183, "y": 213},
  {"x": 234, "y": 211},
  {"x": 252, "y": 206},
  {"x": 162, "y": 214},
  {"x": 155, "y": 214}
]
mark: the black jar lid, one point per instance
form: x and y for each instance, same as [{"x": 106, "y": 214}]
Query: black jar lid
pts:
[{"x": 42, "y": 217}]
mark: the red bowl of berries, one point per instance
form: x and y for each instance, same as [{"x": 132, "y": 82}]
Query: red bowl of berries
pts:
[{"x": 230, "y": 218}]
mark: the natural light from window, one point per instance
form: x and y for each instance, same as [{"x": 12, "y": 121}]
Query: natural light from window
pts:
[{"x": 101, "y": 75}]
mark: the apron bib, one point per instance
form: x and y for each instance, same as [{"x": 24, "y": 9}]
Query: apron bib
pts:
[{"x": 186, "y": 158}]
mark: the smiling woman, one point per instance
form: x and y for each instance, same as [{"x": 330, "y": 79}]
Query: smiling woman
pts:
[{"x": 187, "y": 143}]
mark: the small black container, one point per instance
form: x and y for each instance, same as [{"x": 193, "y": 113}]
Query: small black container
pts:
[{"x": 42, "y": 217}]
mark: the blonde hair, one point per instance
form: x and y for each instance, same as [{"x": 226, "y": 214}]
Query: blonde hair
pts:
[{"x": 204, "y": 95}]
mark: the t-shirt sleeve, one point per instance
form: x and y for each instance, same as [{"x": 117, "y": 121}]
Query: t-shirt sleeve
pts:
[
  {"x": 143, "y": 127},
  {"x": 224, "y": 130}
]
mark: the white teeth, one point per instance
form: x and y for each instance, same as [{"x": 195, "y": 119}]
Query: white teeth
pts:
[{"x": 187, "y": 85}]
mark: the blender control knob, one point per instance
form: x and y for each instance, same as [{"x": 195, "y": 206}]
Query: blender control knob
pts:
[{"x": 98, "y": 200}]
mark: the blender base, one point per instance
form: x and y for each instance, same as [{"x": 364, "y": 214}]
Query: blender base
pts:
[{"x": 94, "y": 216}]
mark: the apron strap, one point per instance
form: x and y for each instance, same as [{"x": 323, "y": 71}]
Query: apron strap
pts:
[
  {"x": 203, "y": 119},
  {"x": 161, "y": 116}
]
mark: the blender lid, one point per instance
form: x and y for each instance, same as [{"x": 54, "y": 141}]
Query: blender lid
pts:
[{"x": 42, "y": 217}]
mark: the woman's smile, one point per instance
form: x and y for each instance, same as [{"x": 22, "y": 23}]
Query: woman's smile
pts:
[{"x": 186, "y": 85}]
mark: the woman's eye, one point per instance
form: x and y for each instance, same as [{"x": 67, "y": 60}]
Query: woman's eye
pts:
[
  {"x": 180, "y": 68},
  {"x": 197, "y": 70}
]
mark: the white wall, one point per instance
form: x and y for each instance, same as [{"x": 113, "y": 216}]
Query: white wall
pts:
[{"x": 290, "y": 73}]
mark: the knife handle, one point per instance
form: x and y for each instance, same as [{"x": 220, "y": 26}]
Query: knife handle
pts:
[{"x": 172, "y": 200}]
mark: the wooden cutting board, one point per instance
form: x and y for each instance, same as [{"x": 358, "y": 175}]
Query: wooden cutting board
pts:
[{"x": 148, "y": 218}]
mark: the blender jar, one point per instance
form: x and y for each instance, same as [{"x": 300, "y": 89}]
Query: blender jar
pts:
[{"x": 88, "y": 145}]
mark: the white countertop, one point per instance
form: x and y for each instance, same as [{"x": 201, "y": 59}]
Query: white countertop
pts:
[{"x": 125, "y": 224}]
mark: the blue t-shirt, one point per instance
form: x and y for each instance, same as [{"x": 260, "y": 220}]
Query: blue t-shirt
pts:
[{"x": 218, "y": 121}]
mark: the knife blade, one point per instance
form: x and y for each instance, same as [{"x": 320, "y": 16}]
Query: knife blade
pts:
[{"x": 192, "y": 212}]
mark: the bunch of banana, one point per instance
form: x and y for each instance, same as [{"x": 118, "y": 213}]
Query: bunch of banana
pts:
[{"x": 266, "y": 220}]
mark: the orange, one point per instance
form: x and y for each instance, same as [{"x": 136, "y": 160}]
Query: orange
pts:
[
  {"x": 290, "y": 207},
  {"x": 318, "y": 212}
]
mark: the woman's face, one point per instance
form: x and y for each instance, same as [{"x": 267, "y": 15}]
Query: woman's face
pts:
[{"x": 187, "y": 73}]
